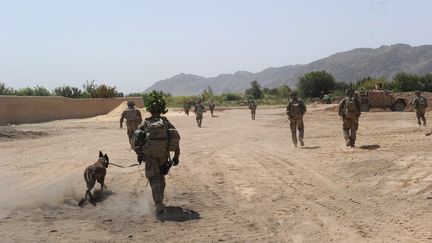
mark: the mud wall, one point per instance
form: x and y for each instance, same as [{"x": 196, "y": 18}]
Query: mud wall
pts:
[{"x": 31, "y": 109}]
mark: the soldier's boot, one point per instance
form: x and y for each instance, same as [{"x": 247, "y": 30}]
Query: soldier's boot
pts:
[
  {"x": 301, "y": 136},
  {"x": 347, "y": 137},
  {"x": 352, "y": 143}
]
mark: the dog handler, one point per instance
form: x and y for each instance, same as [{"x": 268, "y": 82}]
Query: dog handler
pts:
[{"x": 153, "y": 141}]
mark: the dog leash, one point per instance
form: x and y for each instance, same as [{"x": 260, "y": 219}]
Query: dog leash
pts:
[{"x": 123, "y": 166}]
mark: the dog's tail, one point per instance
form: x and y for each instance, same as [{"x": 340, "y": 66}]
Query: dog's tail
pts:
[{"x": 88, "y": 175}]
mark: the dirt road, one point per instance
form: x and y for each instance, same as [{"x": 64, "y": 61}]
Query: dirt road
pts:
[{"x": 244, "y": 178}]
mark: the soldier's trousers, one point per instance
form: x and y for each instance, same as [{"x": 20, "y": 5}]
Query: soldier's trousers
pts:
[
  {"x": 211, "y": 112},
  {"x": 156, "y": 180},
  {"x": 421, "y": 116},
  {"x": 199, "y": 118},
  {"x": 253, "y": 112},
  {"x": 297, "y": 125},
  {"x": 186, "y": 112},
  {"x": 131, "y": 127},
  {"x": 350, "y": 127}
]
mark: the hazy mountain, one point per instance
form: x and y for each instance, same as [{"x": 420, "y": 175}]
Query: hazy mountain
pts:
[{"x": 344, "y": 66}]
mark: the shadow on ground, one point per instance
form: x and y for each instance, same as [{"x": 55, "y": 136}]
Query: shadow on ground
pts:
[
  {"x": 98, "y": 196},
  {"x": 370, "y": 146},
  {"x": 177, "y": 214},
  {"x": 310, "y": 147}
]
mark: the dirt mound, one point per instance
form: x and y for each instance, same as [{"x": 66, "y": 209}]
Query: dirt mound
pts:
[
  {"x": 8, "y": 132},
  {"x": 115, "y": 114}
]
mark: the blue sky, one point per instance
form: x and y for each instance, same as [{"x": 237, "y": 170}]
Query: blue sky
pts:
[{"x": 132, "y": 44}]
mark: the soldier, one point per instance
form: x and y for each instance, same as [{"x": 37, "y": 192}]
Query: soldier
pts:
[
  {"x": 152, "y": 140},
  {"x": 295, "y": 111},
  {"x": 252, "y": 107},
  {"x": 349, "y": 110},
  {"x": 212, "y": 107},
  {"x": 199, "y": 110},
  {"x": 133, "y": 119},
  {"x": 186, "y": 107},
  {"x": 420, "y": 104}
]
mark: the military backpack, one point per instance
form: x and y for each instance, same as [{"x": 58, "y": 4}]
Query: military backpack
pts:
[
  {"x": 156, "y": 139},
  {"x": 131, "y": 114}
]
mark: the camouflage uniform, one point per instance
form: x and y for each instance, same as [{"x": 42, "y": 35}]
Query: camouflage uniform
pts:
[
  {"x": 186, "y": 108},
  {"x": 295, "y": 111},
  {"x": 420, "y": 104},
  {"x": 199, "y": 111},
  {"x": 350, "y": 124},
  {"x": 253, "y": 107},
  {"x": 153, "y": 163},
  {"x": 133, "y": 119},
  {"x": 212, "y": 107}
]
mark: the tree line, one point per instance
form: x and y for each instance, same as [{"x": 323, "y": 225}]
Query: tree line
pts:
[
  {"x": 89, "y": 90},
  {"x": 309, "y": 85},
  {"x": 314, "y": 84}
]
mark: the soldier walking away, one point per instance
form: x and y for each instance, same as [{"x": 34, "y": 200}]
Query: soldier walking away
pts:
[
  {"x": 253, "y": 107},
  {"x": 212, "y": 106},
  {"x": 349, "y": 110},
  {"x": 186, "y": 107},
  {"x": 133, "y": 119},
  {"x": 199, "y": 111},
  {"x": 295, "y": 111},
  {"x": 154, "y": 140},
  {"x": 420, "y": 105}
]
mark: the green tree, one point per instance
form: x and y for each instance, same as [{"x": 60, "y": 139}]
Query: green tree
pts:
[
  {"x": 407, "y": 82},
  {"x": 35, "y": 91},
  {"x": 4, "y": 90},
  {"x": 255, "y": 90},
  {"x": 313, "y": 83},
  {"x": 369, "y": 83},
  {"x": 232, "y": 97},
  {"x": 426, "y": 82},
  {"x": 67, "y": 91},
  {"x": 284, "y": 91},
  {"x": 207, "y": 93},
  {"x": 93, "y": 90}
]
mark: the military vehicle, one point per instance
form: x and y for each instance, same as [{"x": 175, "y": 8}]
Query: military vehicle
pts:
[{"x": 382, "y": 99}]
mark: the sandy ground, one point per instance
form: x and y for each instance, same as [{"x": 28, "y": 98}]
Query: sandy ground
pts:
[{"x": 244, "y": 178}]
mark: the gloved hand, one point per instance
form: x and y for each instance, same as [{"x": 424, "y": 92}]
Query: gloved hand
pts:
[{"x": 176, "y": 161}]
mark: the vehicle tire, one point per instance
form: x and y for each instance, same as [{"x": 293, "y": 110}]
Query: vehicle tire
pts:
[{"x": 398, "y": 106}]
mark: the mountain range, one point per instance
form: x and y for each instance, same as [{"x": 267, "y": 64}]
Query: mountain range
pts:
[{"x": 348, "y": 66}]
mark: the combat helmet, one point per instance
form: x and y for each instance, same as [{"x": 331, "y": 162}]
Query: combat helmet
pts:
[
  {"x": 130, "y": 103},
  {"x": 417, "y": 92},
  {"x": 294, "y": 94},
  {"x": 155, "y": 103}
]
